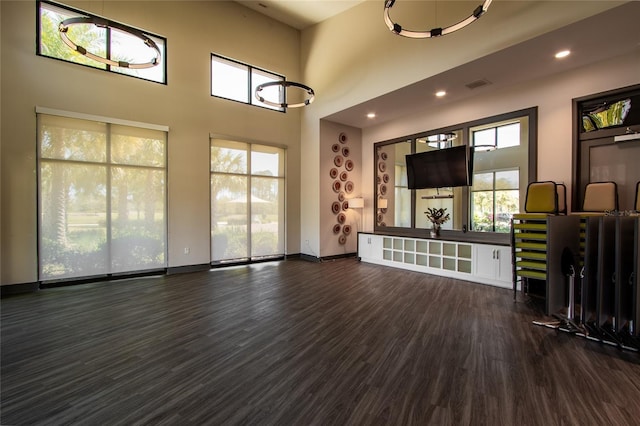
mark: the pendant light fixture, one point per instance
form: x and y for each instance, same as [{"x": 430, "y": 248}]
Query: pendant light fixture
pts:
[
  {"x": 434, "y": 32},
  {"x": 63, "y": 29}
]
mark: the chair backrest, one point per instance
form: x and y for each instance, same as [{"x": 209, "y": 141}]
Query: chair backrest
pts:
[
  {"x": 561, "y": 189},
  {"x": 542, "y": 197},
  {"x": 600, "y": 197}
]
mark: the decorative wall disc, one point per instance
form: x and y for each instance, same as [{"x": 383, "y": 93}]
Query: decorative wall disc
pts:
[
  {"x": 344, "y": 176},
  {"x": 338, "y": 160},
  {"x": 335, "y": 147},
  {"x": 383, "y": 156},
  {"x": 336, "y": 228},
  {"x": 345, "y": 151},
  {"x": 348, "y": 165},
  {"x": 383, "y": 211},
  {"x": 348, "y": 187},
  {"x": 385, "y": 178},
  {"x": 345, "y": 205},
  {"x": 383, "y": 224},
  {"x": 342, "y": 239},
  {"x": 383, "y": 189},
  {"x": 346, "y": 230},
  {"x": 341, "y": 218},
  {"x": 381, "y": 166},
  {"x": 342, "y": 137},
  {"x": 333, "y": 173},
  {"x": 378, "y": 180},
  {"x": 341, "y": 196},
  {"x": 336, "y": 186},
  {"x": 380, "y": 217},
  {"x": 335, "y": 207}
]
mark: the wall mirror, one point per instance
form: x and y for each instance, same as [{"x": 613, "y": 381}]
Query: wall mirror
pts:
[{"x": 503, "y": 151}]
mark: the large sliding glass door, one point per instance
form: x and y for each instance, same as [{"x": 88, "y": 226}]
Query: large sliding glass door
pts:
[
  {"x": 101, "y": 198},
  {"x": 247, "y": 201}
]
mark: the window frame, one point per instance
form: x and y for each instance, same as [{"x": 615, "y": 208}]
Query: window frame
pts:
[
  {"x": 531, "y": 114},
  {"x": 250, "y": 175},
  {"x": 108, "y": 163},
  {"x": 107, "y": 68},
  {"x": 493, "y": 192},
  {"x": 250, "y": 69}
]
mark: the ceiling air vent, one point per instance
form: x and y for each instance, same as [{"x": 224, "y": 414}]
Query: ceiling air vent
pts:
[{"x": 477, "y": 83}]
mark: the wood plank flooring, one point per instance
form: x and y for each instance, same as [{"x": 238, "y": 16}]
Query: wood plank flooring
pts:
[{"x": 301, "y": 343}]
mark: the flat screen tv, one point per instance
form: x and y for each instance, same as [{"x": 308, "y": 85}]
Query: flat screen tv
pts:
[{"x": 440, "y": 168}]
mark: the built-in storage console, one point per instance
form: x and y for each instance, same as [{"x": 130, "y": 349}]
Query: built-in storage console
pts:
[{"x": 439, "y": 257}]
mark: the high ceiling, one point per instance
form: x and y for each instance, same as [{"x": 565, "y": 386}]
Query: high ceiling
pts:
[
  {"x": 300, "y": 14},
  {"x": 600, "y": 37}
]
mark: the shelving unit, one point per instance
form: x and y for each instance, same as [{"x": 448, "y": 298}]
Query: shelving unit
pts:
[
  {"x": 455, "y": 259},
  {"x": 444, "y": 255}
]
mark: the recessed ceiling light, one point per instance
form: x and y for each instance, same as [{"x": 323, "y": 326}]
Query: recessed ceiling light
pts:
[
  {"x": 371, "y": 115},
  {"x": 563, "y": 54},
  {"x": 441, "y": 93}
]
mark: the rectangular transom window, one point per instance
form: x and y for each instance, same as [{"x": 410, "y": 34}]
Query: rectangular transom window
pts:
[
  {"x": 123, "y": 44},
  {"x": 237, "y": 81}
]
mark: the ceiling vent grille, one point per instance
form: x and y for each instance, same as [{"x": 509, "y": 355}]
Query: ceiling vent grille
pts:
[{"x": 478, "y": 83}]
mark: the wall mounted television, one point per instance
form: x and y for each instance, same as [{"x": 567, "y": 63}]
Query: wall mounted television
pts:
[{"x": 440, "y": 168}]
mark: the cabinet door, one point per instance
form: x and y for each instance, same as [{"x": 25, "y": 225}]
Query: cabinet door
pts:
[
  {"x": 369, "y": 246},
  {"x": 504, "y": 269},
  {"x": 484, "y": 259}
]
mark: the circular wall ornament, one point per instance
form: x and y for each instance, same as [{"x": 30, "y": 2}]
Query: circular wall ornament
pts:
[
  {"x": 341, "y": 196},
  {"x": 63, "y": 29},
  {"x": 336, "y": 186},
  {"x": 380, "y": 217},
  {"x": 344, "y": 176},
  {"x": 383, "y": 189},
  {"x": 385, "y": 178},
  {"x": 338, "y": 160},
  {"x": 333, "y": 173},
  {"x": 345, "y": 151},
  {"x": 342, "y": 239},
  {"x": 348, "y": 165},
  {"x": 383, "y": 224},
  {"x": 342, "y": 137},
  {"x": 335, "y": 147},
  {"x": 382, "y": 166},
  {"x": 335, "y": 207},
  {"x": 348, "y": 187},
  {"x": 284, "y": 85},
  {"x": 341, "y": 218},
  {"x": 435, "y": 32},
  {"x": 346, "y": 230},
  {"x": 336, "y": 228},
  {"x": 345, "y": 205},
  {"x": 384, "y": 156}
]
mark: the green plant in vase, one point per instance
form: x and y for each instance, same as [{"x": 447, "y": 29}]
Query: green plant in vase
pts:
[{"x": 437, "y": 217}]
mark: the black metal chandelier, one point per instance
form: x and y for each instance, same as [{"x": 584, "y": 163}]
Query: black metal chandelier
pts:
[
  {"x": 284, "y": 85},
  {"x": 63, "y": 28},
  {"x": 434, "y": 32}
]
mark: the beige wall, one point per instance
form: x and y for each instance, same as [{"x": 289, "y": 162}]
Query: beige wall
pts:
[
  {"x": 193, "y": 30},
  {"x": 353, "y": 57},
  {"x": 553, "y": 97}
]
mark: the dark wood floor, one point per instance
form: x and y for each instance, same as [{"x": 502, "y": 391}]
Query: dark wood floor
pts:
[{"x": 300, "y": 343}]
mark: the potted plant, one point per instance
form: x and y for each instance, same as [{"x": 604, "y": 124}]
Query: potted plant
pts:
[{"x": 437, "y": 217}]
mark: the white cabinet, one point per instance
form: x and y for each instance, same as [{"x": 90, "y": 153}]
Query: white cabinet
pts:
[
  {"x": 492, "y": 265},
  {"x": 482, "y": 263},
  {"x": 369, "y": 247}
]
